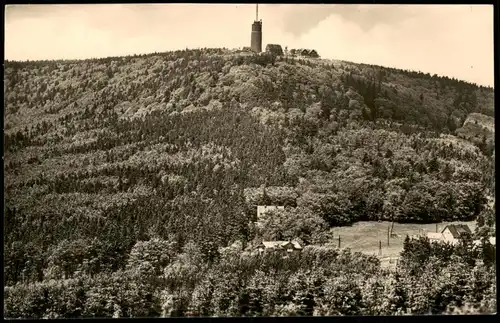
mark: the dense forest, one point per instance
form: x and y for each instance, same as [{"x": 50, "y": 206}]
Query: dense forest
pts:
[{"x": 131, "y": 185}]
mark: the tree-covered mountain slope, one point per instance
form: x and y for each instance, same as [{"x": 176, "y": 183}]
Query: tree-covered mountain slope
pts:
[{"x": 183, "y": 146}]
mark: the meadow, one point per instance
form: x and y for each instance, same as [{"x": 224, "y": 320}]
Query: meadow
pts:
[{"x": 364, "y": 237}]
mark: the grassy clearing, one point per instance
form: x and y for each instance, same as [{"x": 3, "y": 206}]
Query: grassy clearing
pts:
[{"x": 365, "y": 236}]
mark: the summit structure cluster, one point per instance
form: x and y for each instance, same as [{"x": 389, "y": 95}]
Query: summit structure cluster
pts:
[{"x": 276, "y": 49}]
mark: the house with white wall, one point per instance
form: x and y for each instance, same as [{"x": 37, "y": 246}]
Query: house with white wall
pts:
[{"x": 451, "y": 233}]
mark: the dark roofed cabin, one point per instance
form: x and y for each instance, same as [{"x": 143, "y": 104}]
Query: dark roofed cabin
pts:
[
  {"x": 313, "y": 53},
  {"x": 457, "y": 230},
  {"x": 281, "y": 246},
  {"x": 274, "y": 49},
  {"x": 304, "y": 52}
]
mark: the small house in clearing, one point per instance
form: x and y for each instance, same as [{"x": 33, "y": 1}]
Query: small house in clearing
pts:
[
  {"x": 456, "y": 231},
  {"x": 279, "y": 246},
  {"x": 452, "y": 233}
]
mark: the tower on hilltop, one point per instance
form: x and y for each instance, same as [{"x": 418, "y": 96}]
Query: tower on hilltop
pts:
[{"x": 256, "y": 41}]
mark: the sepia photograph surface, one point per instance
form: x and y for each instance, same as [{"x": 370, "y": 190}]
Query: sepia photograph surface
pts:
[{"x": 241, "y": 160}]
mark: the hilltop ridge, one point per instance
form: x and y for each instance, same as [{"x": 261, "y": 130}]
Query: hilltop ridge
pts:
[{"x": 183, "y": 145}]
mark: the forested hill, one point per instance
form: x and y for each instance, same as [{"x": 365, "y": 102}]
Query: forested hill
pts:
[{"x": 183, "y": 145}]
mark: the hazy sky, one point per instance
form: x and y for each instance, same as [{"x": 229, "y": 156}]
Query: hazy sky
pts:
[{"x": 452, "y": 40}]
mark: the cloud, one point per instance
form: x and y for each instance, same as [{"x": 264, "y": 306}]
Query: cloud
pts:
[
  {"x": 299, "y": 20},
  {"x": 456, "y": 41}
]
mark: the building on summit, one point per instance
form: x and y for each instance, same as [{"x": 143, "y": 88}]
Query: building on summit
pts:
[
  {"x": 256, "y": 40},
  {"x": 274, "y": 49}
]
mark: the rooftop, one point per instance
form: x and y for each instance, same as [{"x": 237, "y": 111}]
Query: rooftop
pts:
[
  {"x": 458, "y": 230},
  {"x": 280, "y": 244}
]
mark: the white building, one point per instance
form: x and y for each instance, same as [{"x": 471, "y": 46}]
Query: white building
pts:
[
  {"x": 280, "y": 246},
  {"x": 452, "y": 233}
]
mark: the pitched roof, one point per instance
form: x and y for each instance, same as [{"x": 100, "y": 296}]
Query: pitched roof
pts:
[
  {"x": 296, "y": 245},
  {"x": 458, "y": 230},
  {"x": 313, "y": 53},
  {"x": 273, "y": 244},
  {"x": 274, "y": 48},
  {"x": 280, "y": 244}
]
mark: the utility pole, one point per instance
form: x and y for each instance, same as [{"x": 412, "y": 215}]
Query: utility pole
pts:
[
  {"x": 339, "y": 241},
  {"x": 388, "y": 235},
  {"x": 380, "y": 248},
  {"x": 436, "y": 227},
  {"x": 257, "y": 12}
]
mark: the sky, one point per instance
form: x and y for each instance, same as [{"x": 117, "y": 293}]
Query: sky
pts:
[{"x": 451, "y": 40}]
